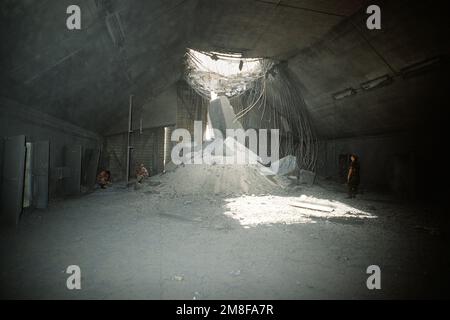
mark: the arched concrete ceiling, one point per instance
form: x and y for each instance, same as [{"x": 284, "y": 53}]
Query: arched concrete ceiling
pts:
[
  {"x": 350, "y": 54},
  {"x": 86, "y": 76}
]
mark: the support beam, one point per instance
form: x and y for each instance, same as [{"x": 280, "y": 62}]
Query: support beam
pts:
[{"x": 130, "y": 131}]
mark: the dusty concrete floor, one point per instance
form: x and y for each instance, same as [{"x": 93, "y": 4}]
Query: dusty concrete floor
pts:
[{"x": 151, "y": 244}]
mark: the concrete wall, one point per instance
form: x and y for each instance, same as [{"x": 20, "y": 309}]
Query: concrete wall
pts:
[
  {"x": 378, "y": 157},
  {"x": 148, "y": 148},
  {"x": 157, "y": 112},
  {"x": 17, "y": 119},
  {"x": 398, "y": 130},
  {"x": 190, "y": 108},
  {"x": 409, "y": 165}
]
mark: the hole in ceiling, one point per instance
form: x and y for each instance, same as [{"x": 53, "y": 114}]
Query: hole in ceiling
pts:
[{"x": 213, "y": 74}]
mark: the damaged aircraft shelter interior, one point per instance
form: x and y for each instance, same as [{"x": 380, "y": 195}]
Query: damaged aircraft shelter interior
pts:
[{"x": 224, "y": 149}]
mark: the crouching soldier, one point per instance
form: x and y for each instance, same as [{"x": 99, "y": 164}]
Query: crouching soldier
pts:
[
  {"x": 141, "y": 173},
  {"x": 104, "y": 178}
]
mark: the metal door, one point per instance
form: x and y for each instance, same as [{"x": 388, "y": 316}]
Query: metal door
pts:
[
  {"x": 72, "y": 157},
  {"x": 13, "y": 176},
  {"x": 40, "y": 172}
]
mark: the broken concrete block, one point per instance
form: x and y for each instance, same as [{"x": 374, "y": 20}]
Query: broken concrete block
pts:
[
  {"x": 285, "y": 165},
  {"x": 178, "y": 278},
  {"x": 282, "y": 167},
  {"x": 306, "y": 177},
  {"x": 240, "y": 152},
  {"x": 221, "y": 115}
]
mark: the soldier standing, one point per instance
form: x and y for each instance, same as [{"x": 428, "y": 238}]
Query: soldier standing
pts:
[{"x": 353, "y": 176}]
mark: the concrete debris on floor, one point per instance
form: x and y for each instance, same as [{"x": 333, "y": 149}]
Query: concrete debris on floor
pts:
[{"x": 223, "y": 231}]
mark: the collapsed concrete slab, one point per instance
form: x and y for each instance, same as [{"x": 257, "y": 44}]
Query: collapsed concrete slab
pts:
[
  {"x": 239, "y": 152},
  {"x": 221, "y": 115},
  {"x": 282, "y": 167}
]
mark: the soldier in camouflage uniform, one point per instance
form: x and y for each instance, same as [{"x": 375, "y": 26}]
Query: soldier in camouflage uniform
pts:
[{"x": 353, "y": 176}]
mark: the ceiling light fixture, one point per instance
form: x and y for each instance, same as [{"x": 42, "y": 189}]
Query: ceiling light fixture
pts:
[
  {"x": 377, "y": 82},
  {"x": 344, "y": 94},
  {"x": 420, "y": 67}
]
